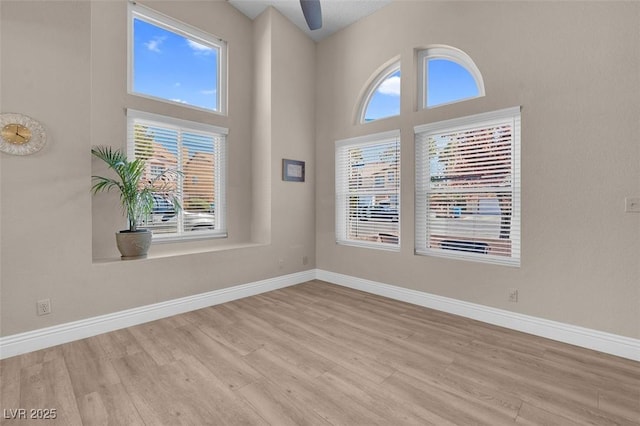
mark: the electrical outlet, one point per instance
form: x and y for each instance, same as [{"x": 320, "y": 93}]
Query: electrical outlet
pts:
[
  {"x": 513, "y": 295},
  {"x": 632, "y": 204},
  {"x": 305, "y": 260},
  {"x": 280, "y": 263},
  {"x": 43, "y": 306}
]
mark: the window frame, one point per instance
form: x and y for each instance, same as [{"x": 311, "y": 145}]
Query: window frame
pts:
[
  {"x": 451, "y": 54},
  {"x": 373, "y": 87},
  {"x": 342, "y": 191},
  {"x": 511, "y": 116},
  {"x": 220, "y": 169},
  {"x": 150, "y": 16}
]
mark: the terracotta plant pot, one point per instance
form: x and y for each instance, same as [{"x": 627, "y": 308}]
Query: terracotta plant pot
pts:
[{"x": 133, "y": 245}]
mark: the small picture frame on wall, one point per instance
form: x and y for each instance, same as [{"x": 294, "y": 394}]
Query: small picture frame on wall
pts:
[{"x": 292, "y": 170}]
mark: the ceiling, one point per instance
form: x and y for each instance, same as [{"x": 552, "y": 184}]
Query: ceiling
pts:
[{"x": 336, "y": 14}]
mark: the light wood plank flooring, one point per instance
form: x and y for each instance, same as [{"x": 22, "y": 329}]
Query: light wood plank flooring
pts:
[{"x": 320, "y": 354}]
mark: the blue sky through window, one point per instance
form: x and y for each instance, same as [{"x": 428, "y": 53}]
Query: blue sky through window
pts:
[
  {"x": 170, "y": 66},
  {"x": 385, "y": 101},
  {"x": 448, "y": 82}
]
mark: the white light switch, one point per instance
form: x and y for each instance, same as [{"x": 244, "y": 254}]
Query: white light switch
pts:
[{"x": 632, "y": 204}]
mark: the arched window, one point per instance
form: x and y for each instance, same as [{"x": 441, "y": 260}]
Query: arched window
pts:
[
  {"x": 382, "y": 98},
  {"x": 447, "y": 75}
]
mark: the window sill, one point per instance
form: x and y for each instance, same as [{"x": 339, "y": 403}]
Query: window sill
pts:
[
  {"x": 472, "y": 257},
  {"x": 193, "y": 236},
  {"x": 180, "y": 251},
  {"x": 370, "y": 245}
]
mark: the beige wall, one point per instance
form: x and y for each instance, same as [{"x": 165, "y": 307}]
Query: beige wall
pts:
[
  {"x": 575, "y": 70},
  {"x": 64, "y": 63}
]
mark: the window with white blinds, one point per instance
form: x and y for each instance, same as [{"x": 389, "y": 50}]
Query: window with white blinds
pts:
[
  {"x": 368, "y": 191},
  {"x": 198, "y": 153},
  {"x": 468, "y": 188}
]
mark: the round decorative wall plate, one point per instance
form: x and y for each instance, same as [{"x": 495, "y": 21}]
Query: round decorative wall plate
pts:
[{"x": 20, "y": 134}]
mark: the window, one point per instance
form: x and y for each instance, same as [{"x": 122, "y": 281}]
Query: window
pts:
[
  {"x": 367, "y": 204},
  {"x": 198, "y": 152},
  {"x": 382, "y": 99},
  {"x": 156, "y": 170},
  {"x": 468, "y": 188},
  {"x": 447, "y": 75},
  {"x": 173, "y": 62}
]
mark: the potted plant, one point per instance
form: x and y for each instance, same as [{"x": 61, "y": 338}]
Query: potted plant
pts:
[{"x": 136, "y": 196}]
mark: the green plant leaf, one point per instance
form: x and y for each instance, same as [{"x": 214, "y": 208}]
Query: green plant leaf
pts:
[{"x": 136, "y": 194}]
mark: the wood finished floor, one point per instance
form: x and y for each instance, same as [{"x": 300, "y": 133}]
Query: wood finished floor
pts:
[{"x": 321, "y": 354}]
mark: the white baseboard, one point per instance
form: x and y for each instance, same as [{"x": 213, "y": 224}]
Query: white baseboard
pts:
[
  {"x": 30, "y": 341},
  {"x": 51, "y": 336},
  {"x": 613, "y": 344}
]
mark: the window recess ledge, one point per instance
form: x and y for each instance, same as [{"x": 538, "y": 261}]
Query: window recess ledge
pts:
[{"x": 180, "y": 251}]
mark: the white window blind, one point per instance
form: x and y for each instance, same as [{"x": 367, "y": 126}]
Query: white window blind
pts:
[
  {"x": 468, "y": 188},
  {"x": 368, "y": 191},
  {"x": 198, "y": 152}
]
